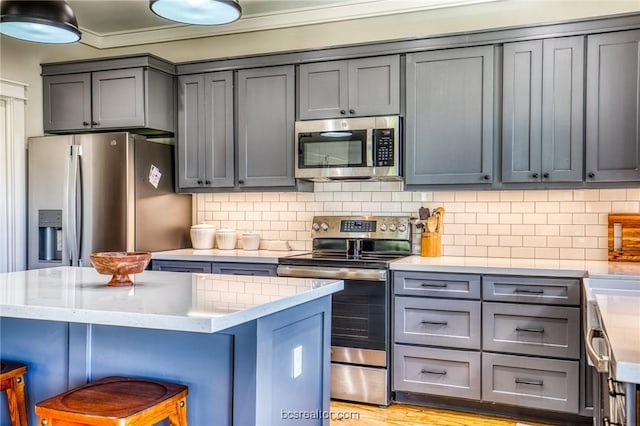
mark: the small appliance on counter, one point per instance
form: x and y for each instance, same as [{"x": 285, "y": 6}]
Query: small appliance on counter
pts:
[{"x": 102, "y": 192}]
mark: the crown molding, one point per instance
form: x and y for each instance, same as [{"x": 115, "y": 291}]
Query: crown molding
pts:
[{"x": 351, "y": 9}]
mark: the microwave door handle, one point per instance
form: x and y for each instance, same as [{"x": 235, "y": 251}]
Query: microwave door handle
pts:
[{"x": 370, "y": 147}]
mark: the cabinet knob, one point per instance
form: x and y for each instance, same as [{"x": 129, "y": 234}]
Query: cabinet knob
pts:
[
  {"x": 545, "y": 175},
  {"x": 535, "y": 175},
  {"x": 208, "y": 182},
  {"x": 343, "y": 112},
  {"x": 591, "y": 175},
  {"x": 199, "y": 182},
  {"x": 486, "y": 177},
  {"x": 95, "y": 123},
  {"x": 352, "y": 111},
  {"x": 240, "y": 182},
  {"x": 86, "y": 123}
]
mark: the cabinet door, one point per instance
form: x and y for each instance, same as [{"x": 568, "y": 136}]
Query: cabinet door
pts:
[
  {"x": 563, "y": 109},
  {"x": 449, "y": 123},
  {"x": 67, "y": 102},
  {"x": 218, "y": 147},
  {"x": 118, "y": 98},
  {"x": 323, "y": 91},
  {"x": 613, "y": 109},
  {"x": 181, "y": 266},
  {"x": 374, "y": 86},
  {"x": 191, "y": 130},
  {"x": 265, "y": 126},
  {"x": 522, "y": 112}
]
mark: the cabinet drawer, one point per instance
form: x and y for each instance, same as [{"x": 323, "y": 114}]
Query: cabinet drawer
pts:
[
  {"x": 531, "y": 329},
  {"x": 453, "y": 323},
  {"x": 548, "y": 291},
  {"x": 549, "y": 384},
  {"x": 436, "y": 371},
  {"x": 460, "y": 286},
  {"x": 181, "y": 266}
]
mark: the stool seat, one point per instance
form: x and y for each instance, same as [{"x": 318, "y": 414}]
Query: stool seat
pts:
[
  {"x": 12, "y": 381},
  {"x": 118, "y": 401}
]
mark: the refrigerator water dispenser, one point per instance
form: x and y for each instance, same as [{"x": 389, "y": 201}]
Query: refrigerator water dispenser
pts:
[{"x": 50, "y": 235}]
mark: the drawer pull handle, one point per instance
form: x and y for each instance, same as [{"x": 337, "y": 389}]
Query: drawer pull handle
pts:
[
  {"x": 528, "y": 291},
  {"x": 438, "y": 373},
  {"x": 530, "y": 330},
  {"x": 435, "y": 285},
  {"x": 435, "y": 322},
  {"x": 529, "y": 382}
]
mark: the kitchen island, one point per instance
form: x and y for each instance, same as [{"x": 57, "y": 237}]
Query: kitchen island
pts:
[{"x": 253, "y": 350}]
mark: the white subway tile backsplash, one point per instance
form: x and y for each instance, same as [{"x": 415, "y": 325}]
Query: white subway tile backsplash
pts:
[{"x": 545, "y": 224}]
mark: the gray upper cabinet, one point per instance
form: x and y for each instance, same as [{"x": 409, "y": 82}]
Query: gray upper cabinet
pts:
[
  {"x": 265, "y": 119},
  {"x": 449, "y": 116},
  {"x": 542, "y": 111},
  {"x": 123, "y": 93},
  {"x": 205, "y": 130},
  {"x": 613, "y": 107},
  {"x": 351, "y": 88}
]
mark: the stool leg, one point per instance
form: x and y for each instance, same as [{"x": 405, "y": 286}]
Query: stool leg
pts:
[
  {"x": 179, "y": 416},
  {"x": 17, "y": 403}
]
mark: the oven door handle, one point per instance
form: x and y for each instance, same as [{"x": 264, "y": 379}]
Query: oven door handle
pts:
[
  {"x": 600, "y": 362},
  {"x": 332, "y": 272}
]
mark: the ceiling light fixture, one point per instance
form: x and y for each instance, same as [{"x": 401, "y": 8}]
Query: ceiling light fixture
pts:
[
  {"x": 39, "y": 21},
  {"x": 197, "y": 12}
]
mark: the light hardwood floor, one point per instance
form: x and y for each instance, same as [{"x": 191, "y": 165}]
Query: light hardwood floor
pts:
[{"x": 410, "y": 415}]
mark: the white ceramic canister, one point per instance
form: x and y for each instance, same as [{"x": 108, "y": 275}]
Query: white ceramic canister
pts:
[
  {"x": 250, "y": 240},
  {"x": 226, "y": 239},
  {"x": 202, "y": 236}
]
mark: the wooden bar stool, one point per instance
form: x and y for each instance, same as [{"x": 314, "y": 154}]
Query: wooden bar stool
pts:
[
  {"x": 117, "y": 401},
  {"x": 12, "y": 381}
]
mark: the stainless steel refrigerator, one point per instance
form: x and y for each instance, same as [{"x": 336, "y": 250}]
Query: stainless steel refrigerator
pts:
[{"x": 102, "y": 192}]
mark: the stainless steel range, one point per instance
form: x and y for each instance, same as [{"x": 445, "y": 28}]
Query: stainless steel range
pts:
[{"x": 358, "y": 250}]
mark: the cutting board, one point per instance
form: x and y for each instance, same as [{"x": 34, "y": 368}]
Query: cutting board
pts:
[{"x": 623, "y": 237}]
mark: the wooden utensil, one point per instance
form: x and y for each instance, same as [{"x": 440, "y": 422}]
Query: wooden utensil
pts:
[{"x": 432, "y": 224}]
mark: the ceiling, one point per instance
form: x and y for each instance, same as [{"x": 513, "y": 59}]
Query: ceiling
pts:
[{"x": 117, "y": 23}]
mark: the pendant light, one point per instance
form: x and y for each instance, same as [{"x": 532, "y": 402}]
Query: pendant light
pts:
[
  {"x": 39, "y": 21},
  {"x": 197, "y": 12}
]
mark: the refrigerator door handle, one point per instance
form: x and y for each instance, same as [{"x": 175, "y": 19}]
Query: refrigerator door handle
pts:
[
  {"x": 79, "y": 207},
  {"x": 72, "y": 200},
  {"x": 68, "y": 211}
]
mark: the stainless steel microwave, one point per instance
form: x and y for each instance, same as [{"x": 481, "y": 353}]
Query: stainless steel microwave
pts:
[{"x": 365, "y": 148}]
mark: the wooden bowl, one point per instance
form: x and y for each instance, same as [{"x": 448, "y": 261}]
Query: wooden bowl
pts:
[{"x": 120, "y": 264}]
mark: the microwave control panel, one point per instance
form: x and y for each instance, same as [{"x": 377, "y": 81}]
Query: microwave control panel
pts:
[{"x": 384, "y": 152}]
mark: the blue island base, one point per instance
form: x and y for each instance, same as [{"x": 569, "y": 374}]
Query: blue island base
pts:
[{"x": 270, "y": 371}]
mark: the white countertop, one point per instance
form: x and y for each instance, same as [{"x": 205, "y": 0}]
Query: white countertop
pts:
[
  {"x": 620, "y": 315},
  {"x": 217, "y": 255},
  {"x": 204, "y": 303},
  {"x": 532, "y": 267}
]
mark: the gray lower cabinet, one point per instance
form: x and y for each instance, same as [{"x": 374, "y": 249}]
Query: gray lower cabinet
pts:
[
  {"x": 265, "y": 119},
  {"x": 205, "y": 131},
  {"x": 552, "y": 331},
  {"x": 138, "y": 93},
  {"x": 448, "y": 323},
  {"x": 547, "y": 384},
  {"x": 228, "y": 268},
  {"x": 441, "y": 372},
  {"x": 513, "y": 340},
  {"x": 542, "y": 110},
  {"x": 613, "y": 107},
  {"x": 449, "y": 116},
  {"x": 350, "y": 88}
]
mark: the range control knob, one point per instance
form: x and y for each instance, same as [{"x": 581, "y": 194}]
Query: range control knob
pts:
[
  {"x": 393, "y": 227},
  {"x": 402, "y": 228},
  {"x": 315, "y": 226},
  {"x": 383, "y": 227},
  {"x": 324, "y": 226}
]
